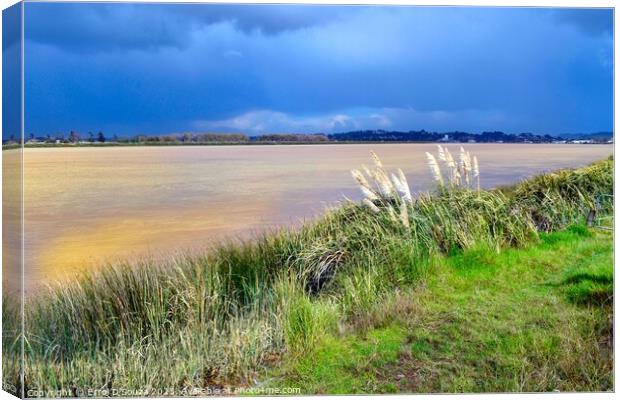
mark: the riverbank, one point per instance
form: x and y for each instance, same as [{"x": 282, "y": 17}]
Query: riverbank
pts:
[
  {"x": 229, "y": 316},
  {"x": 474, "y": 327}
]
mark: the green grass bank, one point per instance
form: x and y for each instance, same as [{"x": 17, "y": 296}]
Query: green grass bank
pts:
[
  {"x": 274, "y": 309},
  {"x": 535, "y": 320}
]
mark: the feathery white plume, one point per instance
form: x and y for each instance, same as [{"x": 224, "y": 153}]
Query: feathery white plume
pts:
[
  {"x": 403, "y": 186},
  {"x": 371, "y": 205},
  {"x": 449, "y": 159},
  {"x": 432, "y": 163},
  {"x": 368, "y": 193},
  {"x": 376, "y": 160},
  {"x": 383, "y": 182},
  {"x": 364, "y": 185},
  {"x": 380, "y": 176},
  {"x": 465, "y": 165},
  {"x": 455, "y": 176},
  {"x": 392, "y": 214},
  {"x": 441, "y": 153},
  {"x": 476, "y": 171},
  {"x": 359, "y": 177},
  {"x": 404, "y": 215}
]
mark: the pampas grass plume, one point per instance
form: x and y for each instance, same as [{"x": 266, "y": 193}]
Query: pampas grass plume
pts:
[
  {"x": 371, "y": 205},
  {"x": 432, "y": 164}
]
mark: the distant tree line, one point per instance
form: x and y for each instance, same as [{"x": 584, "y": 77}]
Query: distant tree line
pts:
[
  {"x": 191, "y": 138},
  {"x": 209, "y": 137},
  {"x": 185, "y": 138},
  {"x": 456, "y": 136},
  {"x": 287, "y": 137},
  {"x": 100, "y": 137},
  {"x": 71, "y": 137}
]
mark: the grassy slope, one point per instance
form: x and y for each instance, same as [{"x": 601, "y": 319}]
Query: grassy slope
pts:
[{"x": 535, "y": 319}]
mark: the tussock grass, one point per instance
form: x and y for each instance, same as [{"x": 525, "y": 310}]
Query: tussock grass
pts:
[
  {"x": 480, "y": 322},
  {"x": 553, "y": 201},
  {"x": 221, "y": 318}
]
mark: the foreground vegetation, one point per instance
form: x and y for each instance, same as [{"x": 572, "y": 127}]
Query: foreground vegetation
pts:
[
  {"x": 535, "y": 319},
  {"x": 278, "y": 302}
]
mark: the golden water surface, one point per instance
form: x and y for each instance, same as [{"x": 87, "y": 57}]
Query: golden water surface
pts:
[{"x": 86, "y": 206}]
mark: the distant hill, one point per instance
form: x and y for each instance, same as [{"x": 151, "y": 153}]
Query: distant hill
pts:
[
  {"x": 596, "y": 136},
  {"x": 456, "y": 136}
]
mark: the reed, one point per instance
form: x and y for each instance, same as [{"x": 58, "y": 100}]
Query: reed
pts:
[{"x": 223, "y": 317}]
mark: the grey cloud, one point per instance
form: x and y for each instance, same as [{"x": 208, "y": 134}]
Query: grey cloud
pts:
[
  {"x": 507, "y": 64},
  {"x": 102, "y": 27},
  {"x": 266, "y": 121}
]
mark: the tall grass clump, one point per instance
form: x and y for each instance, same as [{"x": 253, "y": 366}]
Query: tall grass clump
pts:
[
  {"x": 220, "y": 318},
  {"x": 11, "y": 343},
  {"x": 557, "y": 199},
  {"x": 461, "y": 173}
]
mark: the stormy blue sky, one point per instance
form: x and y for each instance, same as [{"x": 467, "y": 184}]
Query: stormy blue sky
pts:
[{"x": 148, "y": 68}]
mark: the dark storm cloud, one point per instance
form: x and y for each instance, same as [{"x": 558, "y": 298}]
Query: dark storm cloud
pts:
[
  {"x": 98, "y": 27},
  {"x": 161, "y": 68},
  {"x": 11, "y": 72},
  {"x": 12, "y": 28}
]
